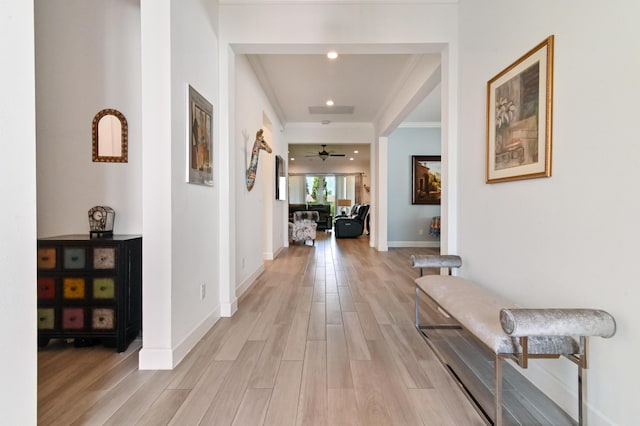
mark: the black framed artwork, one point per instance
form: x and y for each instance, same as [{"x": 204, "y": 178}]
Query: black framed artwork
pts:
[{"x": 426, "y": 182}]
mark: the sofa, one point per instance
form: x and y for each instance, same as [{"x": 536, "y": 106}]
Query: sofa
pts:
[
  {"x": 325, "y": 220},
  {"x": 352, "y": 226}
]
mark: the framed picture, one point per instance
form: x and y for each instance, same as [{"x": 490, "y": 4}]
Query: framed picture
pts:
[
  {"x": 519, "y": 113},
  {"x": 426, "y": 179},
  {"x": 200, "y": 139},
  {"x": 281, "y": 179}
]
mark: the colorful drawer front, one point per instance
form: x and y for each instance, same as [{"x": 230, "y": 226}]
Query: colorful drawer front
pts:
[
  {"x": 72, "y": 318},
  {"x": 74, "y": 258},
  {"x": 46, "y": 288},
  {"x": 47, "y": 258},
  {"x": 104, "y": 288},
  {"x": 46, "y": 319},
  {"x": 104, "y": 258},
  {"x": 103, "y": 319},
  {"x": 73, "y": 288}
]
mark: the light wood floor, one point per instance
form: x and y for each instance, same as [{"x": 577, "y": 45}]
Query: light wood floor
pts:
[{"x": 324, "y": 337}]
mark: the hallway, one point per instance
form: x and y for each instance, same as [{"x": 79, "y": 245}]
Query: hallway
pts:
[{"x": 325, "y": 336}]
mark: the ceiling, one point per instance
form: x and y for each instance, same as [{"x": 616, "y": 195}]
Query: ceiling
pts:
[
  {"x": 309, "y": 153},
  {"x": 362, "y": 87},
  {"x": 367, "y": 83}
]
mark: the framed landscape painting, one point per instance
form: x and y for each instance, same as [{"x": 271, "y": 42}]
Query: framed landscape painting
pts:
[
  {"x": 426, "y": 179},
  {"x": 519, "y": 115},
  {"x": 200, "y": 139}
]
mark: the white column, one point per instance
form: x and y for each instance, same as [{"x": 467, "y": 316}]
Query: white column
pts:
[
  {"x": 381, "y": 190},
  {"x": 449, "y": 207},
  {"x": 155, "y": 17},
  {"x": 18, "y": 214},
  {"x": 226, "y": 179}
]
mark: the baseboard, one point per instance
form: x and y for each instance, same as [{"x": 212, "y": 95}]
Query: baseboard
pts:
[
  {"x": 155, "y": 359},
  {"x": 192, "y": 339},
  {"x": 434, "y": 244},
  {"x": 246, "y": 284},
  {"x": 269, "y": 255},
  {"x": 168, "y": 359},
  {"x": 228, "y": 309}
]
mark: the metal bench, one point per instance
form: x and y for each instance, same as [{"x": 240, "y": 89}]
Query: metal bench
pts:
[{"x": 508, "y": 331}]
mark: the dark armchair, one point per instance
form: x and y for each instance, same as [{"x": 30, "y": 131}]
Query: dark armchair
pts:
[{"x": 352, "y": 226}]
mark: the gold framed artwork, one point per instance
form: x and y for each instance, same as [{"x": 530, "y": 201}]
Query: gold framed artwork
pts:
[
  {"x": 200, "y": 139},
  {"x": 519, "y": 117}
]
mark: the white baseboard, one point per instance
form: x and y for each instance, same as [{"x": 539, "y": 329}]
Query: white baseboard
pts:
[
  {"x": 192, "y": 339},
  {"x": 434, "y": 244},
  {"x": 228, "y": 309},
  {"x": 168, "y": 359},
  {"x": 271, "y": 255},
  {"x": 155, "y": 359},
  {"x": 246, "y": 284}
]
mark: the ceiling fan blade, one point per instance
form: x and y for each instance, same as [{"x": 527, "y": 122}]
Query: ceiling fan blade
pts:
[{"x": 337, "y": 155}]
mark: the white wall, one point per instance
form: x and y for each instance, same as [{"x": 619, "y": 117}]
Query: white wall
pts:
[
  {"x": 569, "y": 240},
  {"x": 87, "y": 59},
  {"x": 358, "y": 28},
  {"x": 180, "y": 222},
  {"x": 18, "y": 366},
  {"x": 195, "y": 210},
  {"x": 255, "y": 209},
  {"x": 405, "y": 220}
]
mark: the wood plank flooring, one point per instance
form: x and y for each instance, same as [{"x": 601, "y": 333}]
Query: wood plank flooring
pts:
[{"x": 324, "y": 337}]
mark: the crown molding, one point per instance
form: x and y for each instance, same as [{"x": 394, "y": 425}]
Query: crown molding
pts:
[{"x": 420, "y": 125}]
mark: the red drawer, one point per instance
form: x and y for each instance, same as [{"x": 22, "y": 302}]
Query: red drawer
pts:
[{"x": 46, "y": 288}]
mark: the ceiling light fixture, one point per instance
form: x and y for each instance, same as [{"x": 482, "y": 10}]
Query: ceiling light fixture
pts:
[
  {"x": 351, "y": 159},
  {"x": 355, "y": 152},
  {"x": 332, "y": 55},
  {"x": 292, "y": 159},
  {"x": 330, "y": 103}
]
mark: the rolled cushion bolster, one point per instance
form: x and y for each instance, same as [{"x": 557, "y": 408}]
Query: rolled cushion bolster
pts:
[
  {"x": 557, "y": 322},
  {"x": 436, "y": 261}
]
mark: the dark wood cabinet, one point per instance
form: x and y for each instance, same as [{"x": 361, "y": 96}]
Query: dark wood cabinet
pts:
[{"x": 90, "y": 289}]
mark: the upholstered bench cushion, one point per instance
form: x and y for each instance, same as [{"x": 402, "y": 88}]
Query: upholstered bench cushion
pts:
[
  {"x": 557, "y": 322},
  {"x": 478, "y": 310},
  {"x": 436, "y": 261}
]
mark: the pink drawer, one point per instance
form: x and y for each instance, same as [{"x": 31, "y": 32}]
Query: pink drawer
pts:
[{"x": 72, "y": 318}]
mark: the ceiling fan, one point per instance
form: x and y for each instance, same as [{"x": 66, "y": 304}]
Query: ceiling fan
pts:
[{"x": 324, "y": 154}]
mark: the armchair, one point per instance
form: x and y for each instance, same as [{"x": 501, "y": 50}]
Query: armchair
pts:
[
  {"x": 353, "y": 226},
  {"x": 304, "y": 226}
]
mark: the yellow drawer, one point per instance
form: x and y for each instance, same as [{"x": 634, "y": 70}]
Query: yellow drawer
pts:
[{"x": 73, "y": 288}]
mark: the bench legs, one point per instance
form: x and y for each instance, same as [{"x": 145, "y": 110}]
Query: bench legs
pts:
[{"x": 497, "y": 397}]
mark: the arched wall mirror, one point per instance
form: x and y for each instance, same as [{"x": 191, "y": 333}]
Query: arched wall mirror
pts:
[{"x": 109, "y": 131}]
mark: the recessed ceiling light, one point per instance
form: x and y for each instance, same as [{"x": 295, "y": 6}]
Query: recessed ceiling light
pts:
[
  {"x": 351, "y": 159},
  {"x": 330, "y": 102},
  {"x": 355, "y": 152},
  {"x": 292, "y": 159},
  {"x": 332, "y": 55}
]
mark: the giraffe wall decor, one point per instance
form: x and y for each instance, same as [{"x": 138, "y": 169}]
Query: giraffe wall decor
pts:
[{"x": 259, "y": 144}]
